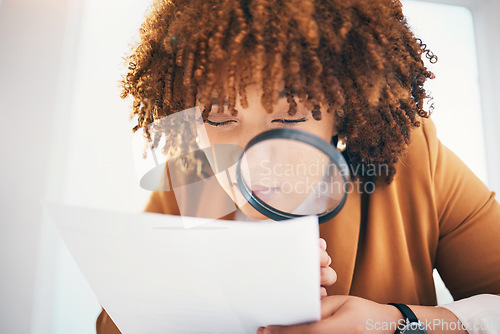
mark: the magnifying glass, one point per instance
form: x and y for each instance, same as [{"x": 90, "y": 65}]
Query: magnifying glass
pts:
[
  {"x": 282, "y": 173},
  {"x": 289, "y": 173}
]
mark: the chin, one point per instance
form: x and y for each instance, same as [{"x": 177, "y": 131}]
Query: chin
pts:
[
  {"x": 249, "y": 210},
  {"x": 233, "y": 192}
]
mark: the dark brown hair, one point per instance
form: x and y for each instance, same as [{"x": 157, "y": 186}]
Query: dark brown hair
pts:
[{"x": 357, "y": 57}]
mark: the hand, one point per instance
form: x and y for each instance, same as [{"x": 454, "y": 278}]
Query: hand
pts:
[
  {"x": 355, "y": 315},
  {"x": 344, "y": 315},
  {"x": 328, "y": 275}
]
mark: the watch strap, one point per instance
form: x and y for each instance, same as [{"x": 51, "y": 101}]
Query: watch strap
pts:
[{"x": 406, "y": 312}]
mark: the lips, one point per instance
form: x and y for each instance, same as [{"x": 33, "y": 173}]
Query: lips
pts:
[
  {"x": 261, "y": 191},
  {"x": 256, "y": 188},
  {"x": 259, "y": 188},
  {"x": 266, "y": 194}
]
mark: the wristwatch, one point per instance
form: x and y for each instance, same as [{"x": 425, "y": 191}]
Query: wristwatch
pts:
[{"x": 412, "y": 325}]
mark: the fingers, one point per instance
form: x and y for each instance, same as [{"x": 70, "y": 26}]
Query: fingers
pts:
[
  {"x": 322, "y": 243},
  {"x": 322, "y": 292},
  {"x": 324, "y": 259},
  {"x": 328, "y": 276}
]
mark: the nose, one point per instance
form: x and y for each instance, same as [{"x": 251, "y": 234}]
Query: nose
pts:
[
  {"x": 263, "y": 151},
  {"x": 248, "y": 132}
]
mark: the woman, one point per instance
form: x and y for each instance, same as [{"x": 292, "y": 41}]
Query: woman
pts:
[{"x": 342, "y": 69}]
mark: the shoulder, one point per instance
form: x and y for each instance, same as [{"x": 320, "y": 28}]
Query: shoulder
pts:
[{"x": 162, "y": 202}]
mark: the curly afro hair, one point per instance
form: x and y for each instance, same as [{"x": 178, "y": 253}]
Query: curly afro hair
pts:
[{"x": 356, "y": 57}]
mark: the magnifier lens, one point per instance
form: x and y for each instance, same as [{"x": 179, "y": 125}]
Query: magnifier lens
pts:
[{"x": 293, "y": 177}]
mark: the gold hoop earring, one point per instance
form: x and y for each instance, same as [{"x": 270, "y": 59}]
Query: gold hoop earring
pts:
[{"x": 341, "y": 145}]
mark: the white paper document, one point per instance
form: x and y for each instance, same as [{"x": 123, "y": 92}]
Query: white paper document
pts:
[{"x": 152, "y": 275}]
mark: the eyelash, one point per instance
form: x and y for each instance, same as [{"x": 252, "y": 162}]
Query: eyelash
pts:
[
  {"x": 285, "y": 121},
  {"x": 220, "y": 123},
  {"x": 300, "y": 120}
]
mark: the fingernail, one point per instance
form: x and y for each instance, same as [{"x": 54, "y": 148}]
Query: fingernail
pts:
[
  {"x": 266, "y": 331},
  {"x": 260, "y": 330},
  {"x": 329, "y": 261}
]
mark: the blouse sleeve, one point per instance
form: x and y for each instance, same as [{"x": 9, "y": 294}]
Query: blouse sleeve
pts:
[
  {"x": 468, "y": 254},
  {"x": 479, "y": 314}
]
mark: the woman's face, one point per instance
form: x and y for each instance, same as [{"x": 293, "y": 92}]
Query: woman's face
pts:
[{"x": 223, "y": 128}]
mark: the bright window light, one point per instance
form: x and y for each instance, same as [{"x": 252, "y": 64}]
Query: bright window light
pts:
[{"x": 448, "y": 32}]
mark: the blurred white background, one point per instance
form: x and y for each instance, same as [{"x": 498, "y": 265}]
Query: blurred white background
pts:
[{"x": 66, "y": 133}]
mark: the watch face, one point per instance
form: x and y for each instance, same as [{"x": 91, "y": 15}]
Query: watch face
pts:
[{"x": 414, "y": 328}]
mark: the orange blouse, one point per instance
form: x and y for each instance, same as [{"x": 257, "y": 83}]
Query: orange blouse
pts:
[{"x": 435, "y": 214}]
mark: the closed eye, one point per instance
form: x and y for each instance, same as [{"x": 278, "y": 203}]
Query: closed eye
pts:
[
  {"x": 286, "y": 121},
  {"x": 220, "y": 123}
]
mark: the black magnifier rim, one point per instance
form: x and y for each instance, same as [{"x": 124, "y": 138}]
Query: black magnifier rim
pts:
[{"x": 297, "y": 135}]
